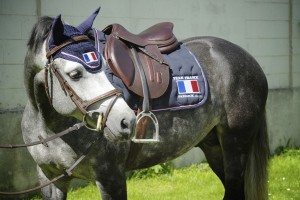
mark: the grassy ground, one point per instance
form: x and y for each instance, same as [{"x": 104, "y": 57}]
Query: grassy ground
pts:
[
  {"x": 199, "y": 182},
  {"x": 195, "y": 182},
  {"x": 284, "y": 177}
]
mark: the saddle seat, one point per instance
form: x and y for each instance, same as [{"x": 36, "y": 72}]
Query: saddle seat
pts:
[
  {"x": 149, "y": 46},
  {"x": 160, "y": 34}
]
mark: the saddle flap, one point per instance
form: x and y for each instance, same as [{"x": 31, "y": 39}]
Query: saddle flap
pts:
[{"x": 120, "y": 60}]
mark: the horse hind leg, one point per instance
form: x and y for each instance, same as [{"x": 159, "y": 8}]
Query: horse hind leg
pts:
[
  {"x": 245, "y": 153},
  {"x": 213, "y": 153},
  {"x": 228, "y": 163},
  {"x": 57, "y": 191},
  {"x": 234, "y": 152}
]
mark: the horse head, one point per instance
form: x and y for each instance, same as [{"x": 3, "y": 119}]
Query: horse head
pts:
[{"x": 75, "y": 82}]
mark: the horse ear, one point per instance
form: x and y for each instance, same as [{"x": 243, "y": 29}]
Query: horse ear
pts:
[
  {"x": 88, "y": 23},
  {"x": 57, "y": 30}
]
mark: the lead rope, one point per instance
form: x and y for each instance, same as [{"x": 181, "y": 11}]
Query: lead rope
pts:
[
  {"x": 45, "y": 140},
  {"x": 67, "y": 172}
]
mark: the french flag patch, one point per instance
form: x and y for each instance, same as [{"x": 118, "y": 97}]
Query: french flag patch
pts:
[
  {"x": 90, "y": 57},
  {"x": 188, "y": 86}
]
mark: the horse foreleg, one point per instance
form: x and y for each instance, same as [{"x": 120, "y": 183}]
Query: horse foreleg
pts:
[
  {"x": 57, "y": 191},
  {"x": 112, "y": 184}
]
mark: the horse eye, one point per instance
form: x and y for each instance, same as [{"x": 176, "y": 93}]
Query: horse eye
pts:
[{"x": 75, "y": 75}]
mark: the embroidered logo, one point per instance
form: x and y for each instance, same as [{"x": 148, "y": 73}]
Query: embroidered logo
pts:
[
  {"x": 188, "y": 87},
  {"x": 90, "y": 57}
]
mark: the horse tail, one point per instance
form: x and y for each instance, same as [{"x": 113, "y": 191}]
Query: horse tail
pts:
[{"x": 256, "y": 172}]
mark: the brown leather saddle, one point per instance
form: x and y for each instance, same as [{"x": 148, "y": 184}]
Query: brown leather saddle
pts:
[
  {"x": 138, "y": 61},
  {"x": 125, "y": 52}
]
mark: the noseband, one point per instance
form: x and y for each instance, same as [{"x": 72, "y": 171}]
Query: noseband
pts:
[{"x": 81, "y": 104}]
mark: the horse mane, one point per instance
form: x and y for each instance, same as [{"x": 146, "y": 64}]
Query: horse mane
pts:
[{"x": 39, "y": 33}]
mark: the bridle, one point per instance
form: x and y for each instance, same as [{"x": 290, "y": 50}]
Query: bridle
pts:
[{"x": 81, "y": 104}]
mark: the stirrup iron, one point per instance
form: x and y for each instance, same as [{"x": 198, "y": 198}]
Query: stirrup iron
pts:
[{"x": 155, "y": 138}]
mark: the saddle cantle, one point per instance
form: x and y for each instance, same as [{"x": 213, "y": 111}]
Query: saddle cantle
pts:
[{"x": 149, "y": 45}]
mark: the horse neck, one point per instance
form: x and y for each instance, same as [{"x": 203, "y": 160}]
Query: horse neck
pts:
[
  {"x": 33, "y": 64},
  {"x": 38, "y": 102}
]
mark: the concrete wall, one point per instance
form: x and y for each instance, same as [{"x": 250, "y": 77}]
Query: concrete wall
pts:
[
  {"x": 268, "y": 29},
  {"x": 263, "y": 27},
  {"x": 16, "y": 21},
  {"x": 283, "y": 116}
]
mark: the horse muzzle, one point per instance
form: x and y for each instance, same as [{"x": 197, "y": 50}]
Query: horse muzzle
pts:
[
  {"x": 117, "y": 124},
  {"x": 122, "y": 132}
]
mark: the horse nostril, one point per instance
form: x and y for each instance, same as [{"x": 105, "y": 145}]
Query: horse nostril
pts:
[
  {"x": 127, "y": 124},
  {"x": 124, "y": 124}
]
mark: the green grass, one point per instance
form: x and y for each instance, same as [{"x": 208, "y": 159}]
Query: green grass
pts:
[
  {"x": 284, "y": 177},
  {"x": 195, "y": 182},
  {"x": 199, "y": 182}
]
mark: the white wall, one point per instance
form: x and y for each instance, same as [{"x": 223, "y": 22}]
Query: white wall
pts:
[
  {"x": 259, "y": 26},
  {"x": 16, "y": 20}
]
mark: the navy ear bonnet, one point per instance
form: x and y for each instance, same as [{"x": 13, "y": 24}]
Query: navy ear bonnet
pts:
[{"x": 84, "y": 51}]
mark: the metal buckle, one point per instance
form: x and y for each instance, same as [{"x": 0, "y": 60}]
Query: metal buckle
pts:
[
  {"x": 155, "y": 137},
  {"x": 99, "y": 122}
]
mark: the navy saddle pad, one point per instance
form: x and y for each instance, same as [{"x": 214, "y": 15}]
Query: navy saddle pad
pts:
[{"x": 188, "y": 87}]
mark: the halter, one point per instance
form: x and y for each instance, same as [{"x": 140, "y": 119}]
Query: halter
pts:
[{"x": 66, "y": 87}]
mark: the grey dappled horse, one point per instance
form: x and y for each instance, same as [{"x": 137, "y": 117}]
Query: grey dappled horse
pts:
[{"x": 230, "y": 127}]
